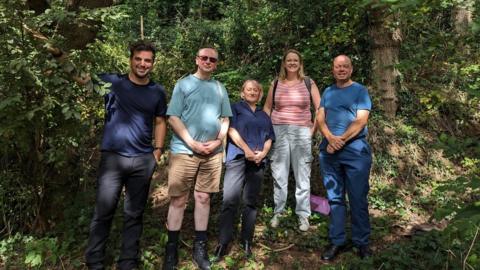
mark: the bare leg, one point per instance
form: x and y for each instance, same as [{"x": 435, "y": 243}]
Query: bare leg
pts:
[
  {"x": 202, "y": 210},
  {"x": 175, "y": 212}
]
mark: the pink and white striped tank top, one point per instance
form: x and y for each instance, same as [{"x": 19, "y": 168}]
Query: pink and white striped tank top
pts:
[{"x": 292, "y": 105}]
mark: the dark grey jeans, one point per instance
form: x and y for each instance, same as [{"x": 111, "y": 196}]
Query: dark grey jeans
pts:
[
  {"x": 241, "y": 176},
  {"x": 115, "y": 172}
]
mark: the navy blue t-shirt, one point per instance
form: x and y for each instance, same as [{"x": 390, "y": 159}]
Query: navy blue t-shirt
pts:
[
  {"x": 255, "y": 128},
  {"x": 130, "y": 110}
]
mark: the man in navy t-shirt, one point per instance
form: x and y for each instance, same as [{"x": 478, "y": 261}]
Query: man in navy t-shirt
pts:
[
  {"x": 345, "y": 157},
  {"x": 128, "y": 159}
]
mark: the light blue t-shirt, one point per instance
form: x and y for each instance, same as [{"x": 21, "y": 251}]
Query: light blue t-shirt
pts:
[
  {"x": 199, "y": 104},
  {"x": 341, "y": 106}
]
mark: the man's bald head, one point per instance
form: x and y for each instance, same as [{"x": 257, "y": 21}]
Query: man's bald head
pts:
[
  {"x": 342, "y": 58},
  {"x": 342, "y": 69}
]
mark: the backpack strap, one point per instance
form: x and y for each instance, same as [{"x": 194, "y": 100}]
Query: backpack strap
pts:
[
  {"x": 313, "y": 110},
  {"x": 275, "y": 83},
  {"x": 219, "y": 88},
  {"x": 308, "y": 84}
]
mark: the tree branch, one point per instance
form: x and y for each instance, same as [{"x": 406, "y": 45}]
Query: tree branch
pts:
[{"x": 60, "y": 55}]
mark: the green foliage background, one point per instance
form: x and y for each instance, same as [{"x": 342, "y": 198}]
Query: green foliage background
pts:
[{"x": 50, "y": 127}]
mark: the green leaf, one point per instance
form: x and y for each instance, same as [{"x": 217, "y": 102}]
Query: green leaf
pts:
[
  {"x": 230, "y": 262},
  {"x": 10, "y": 101},
  {"x": 33, "y": 259}
]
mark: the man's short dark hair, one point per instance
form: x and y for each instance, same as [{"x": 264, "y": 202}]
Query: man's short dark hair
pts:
[
  {"x": 142, "y": 45},
  {"x": 211, "y": 47}
]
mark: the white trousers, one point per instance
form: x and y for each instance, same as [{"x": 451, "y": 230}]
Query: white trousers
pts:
[{"x": 293, "y": 145}]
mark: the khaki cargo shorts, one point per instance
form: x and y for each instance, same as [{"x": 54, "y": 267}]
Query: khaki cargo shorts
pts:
[{"x": 185, "y": 170}]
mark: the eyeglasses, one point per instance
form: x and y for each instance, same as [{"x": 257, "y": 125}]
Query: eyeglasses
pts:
[{"x": 205, "y": 58}]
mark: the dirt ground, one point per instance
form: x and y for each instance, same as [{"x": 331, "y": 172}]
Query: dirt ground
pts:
[{"x": 282, "y": 254}]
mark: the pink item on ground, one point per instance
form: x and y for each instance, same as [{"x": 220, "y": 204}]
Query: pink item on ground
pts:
[{"x": 319, "y": 204}]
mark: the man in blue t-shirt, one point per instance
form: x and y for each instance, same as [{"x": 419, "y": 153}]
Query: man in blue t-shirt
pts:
[
  {"x": 128, "y": 158},
  {"x": 198, "y": 114},
  {"x": 345, "y": 157}
]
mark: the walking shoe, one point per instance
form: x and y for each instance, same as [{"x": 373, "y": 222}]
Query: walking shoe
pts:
[
  {"x": 126, "y": 265},
  {"x": 275, "y": 221},
  {"x": 220, "y": 251},
  {"x": 200, "y": 255},
  {"x": 364, "y": 252},
  {"x": 247, "y": 248},
  {"x": 331, "y": 252},
  {"x": 304, "y": 225},
  {"x": 170, "y": 260}
]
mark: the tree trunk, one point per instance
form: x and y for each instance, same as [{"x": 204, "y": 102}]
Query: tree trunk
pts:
[
  {"x": 386, "y": 41},
  {"x": 461, "y": 21}
]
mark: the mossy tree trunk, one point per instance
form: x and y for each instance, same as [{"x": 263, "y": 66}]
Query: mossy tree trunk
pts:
[
  {"x": 461, "y": 20},
  {"x": 386, "y": 38}
]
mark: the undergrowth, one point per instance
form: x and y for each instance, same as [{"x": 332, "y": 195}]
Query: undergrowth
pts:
[{"x": 416, "y": 178}]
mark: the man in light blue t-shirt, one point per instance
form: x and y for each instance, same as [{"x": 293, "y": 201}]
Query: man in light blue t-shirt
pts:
[
  {"x": 345, "y": 157},
  {"x": 198, "y": 114}
]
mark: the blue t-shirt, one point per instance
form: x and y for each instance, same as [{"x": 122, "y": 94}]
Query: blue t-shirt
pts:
[
  {"x": 130, "y": 110},
  {"x": 255, "y": 128},
  {"x": 199, "y": 104},
  {"x": 341, "y": 106}
]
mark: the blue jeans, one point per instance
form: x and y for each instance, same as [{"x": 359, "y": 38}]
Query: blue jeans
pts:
[
  {"x": 115, "y": 172},
  {"x": 293, "y": 146},
  {"x": 244, "y": 179},
  {"x": 347, "y": 170}
]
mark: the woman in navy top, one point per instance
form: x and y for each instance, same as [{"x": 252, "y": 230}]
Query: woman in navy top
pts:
[{"x": 250, "y": 137}]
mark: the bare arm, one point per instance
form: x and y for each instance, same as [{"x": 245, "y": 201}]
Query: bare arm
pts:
[
  {"x": 238, "y": 140},
  {"x": 260, "y": 155},
  {"x": 316, "y": 104},
  {"x": 211, "y": 146},
  {"x": 336, "y": 142},
  {"x": 267, "y": 107},
  {"x": 223, "y": 129},
  {"x": 160, "y": 132},
  {"x": 356, "y": 126}
]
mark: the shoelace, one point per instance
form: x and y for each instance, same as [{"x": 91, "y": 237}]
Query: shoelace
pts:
[
  {"x": 170, "y": 257},
  {"x": 202, "y": 250}
]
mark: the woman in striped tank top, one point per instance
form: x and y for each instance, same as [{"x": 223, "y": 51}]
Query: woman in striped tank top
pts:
[{"x": 289, "y": 107}]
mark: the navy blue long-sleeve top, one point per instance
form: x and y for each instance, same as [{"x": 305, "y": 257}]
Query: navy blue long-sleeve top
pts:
[{"x": 255, "y": 128}]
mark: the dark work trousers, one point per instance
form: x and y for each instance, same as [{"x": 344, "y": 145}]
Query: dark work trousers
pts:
[
  {"x": 348, "y": 170},
  {"x": 115, "y": 172},
  {"x": 241, "y": 176}
]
